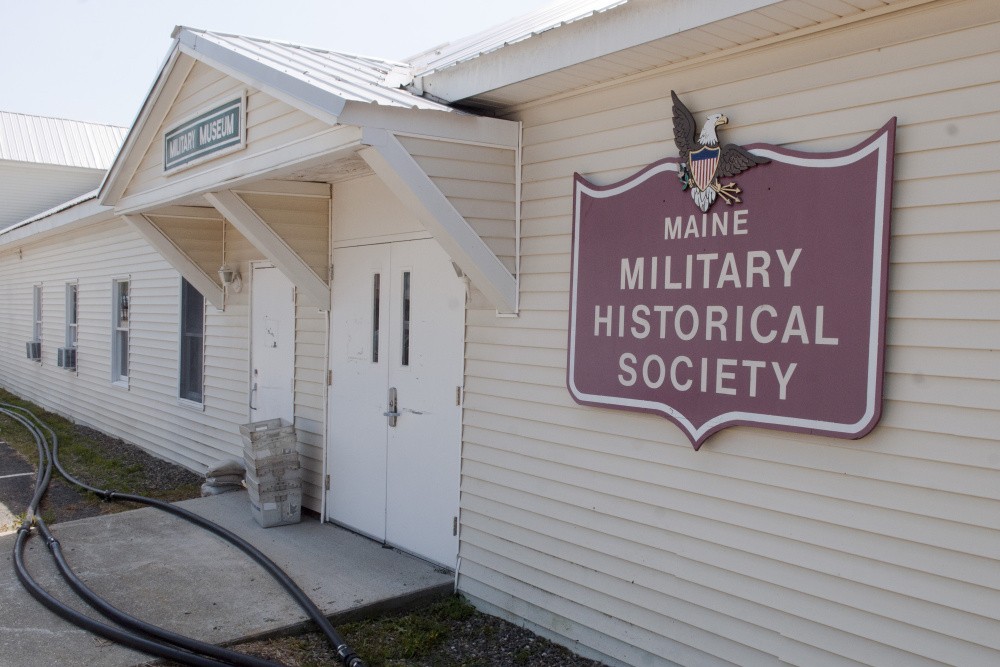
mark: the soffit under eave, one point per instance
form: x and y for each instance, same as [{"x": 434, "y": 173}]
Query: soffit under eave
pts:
[
  {"x": 489, "y": 82},
  {"x": 191, "y": 240}
]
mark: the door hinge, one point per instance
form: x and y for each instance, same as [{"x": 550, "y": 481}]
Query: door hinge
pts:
[
  {"x": 458, "y": 395},
  {"x": 326, "y": 482},
  {"x": 454, "y": 526},
  {"x": 329, "y": 378}
]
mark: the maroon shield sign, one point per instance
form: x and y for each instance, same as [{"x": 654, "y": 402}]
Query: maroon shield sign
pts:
[{"x": 768, "y": 312}]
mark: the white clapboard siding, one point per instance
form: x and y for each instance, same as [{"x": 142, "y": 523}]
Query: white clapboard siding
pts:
[
  {"x": 148, "y": 412},
  {"x": 310, "y": 398},
  {"x": 605, "y": 528},
  {"x": 480, "y": 182},
  {"x": 270, "y": 124}
]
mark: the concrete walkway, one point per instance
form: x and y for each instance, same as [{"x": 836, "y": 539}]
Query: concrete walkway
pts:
[{"x": 166, "y": 571}]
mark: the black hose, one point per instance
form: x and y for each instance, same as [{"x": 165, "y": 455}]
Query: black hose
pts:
[
  {"x": 138, "y": 625},
  {"x": 129, "y": 639},
  {"x": 344, "y": 652}
]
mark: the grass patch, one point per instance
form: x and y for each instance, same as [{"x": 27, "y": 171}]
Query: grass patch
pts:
[
  {"x": 408, "y": 636},
  {"x": 92, "y": 457}
]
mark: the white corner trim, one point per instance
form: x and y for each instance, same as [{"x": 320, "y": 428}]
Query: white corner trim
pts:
[
  {"x": 403, "y": 176},
  {"x": 314, "y": 290},
  {"x": 177, "y": 258}
]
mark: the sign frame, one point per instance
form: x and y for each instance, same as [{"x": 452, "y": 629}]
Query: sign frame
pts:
[
  {"x": 194, "y": 154},
  {"x": 882, "y": 144}
]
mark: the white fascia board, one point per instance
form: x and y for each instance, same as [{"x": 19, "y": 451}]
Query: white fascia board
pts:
[
  {"x": 448, "y": 125},
  {"x": 146, "y": 127},
  {"x": 88, "y": 212},
  {"x": 391, "y": 162},
  {"x": 308, "y": 97},
  {"x": 329, "y": 145},
  {"x": 621, "y": 28},
  {"x": 178, "y": 259},
  {"x": 313, "y": 289}
]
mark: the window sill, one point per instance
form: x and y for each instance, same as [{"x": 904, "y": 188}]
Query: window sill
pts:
[{"x": 191, "y": 405}]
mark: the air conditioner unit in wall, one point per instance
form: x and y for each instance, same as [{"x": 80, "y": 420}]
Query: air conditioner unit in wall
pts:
[
  {"x": 34, "y": 350},
  {"x": 66, "y": 358}
]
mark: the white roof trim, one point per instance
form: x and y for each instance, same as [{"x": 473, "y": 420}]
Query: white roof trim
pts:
[
  {"x": 616, "y": 28},
  {"x": 83, "y": 210},
  {"x": 168, "y": 82},
  {"x": 301, "y": 94}
]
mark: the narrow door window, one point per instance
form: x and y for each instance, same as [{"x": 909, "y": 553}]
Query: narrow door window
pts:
[
  {"x": 192, "y": 343},
  {"x": 405, "y": 357},
  {"x": 376, "y": 325},
  {"x": 120, "y": 329}
]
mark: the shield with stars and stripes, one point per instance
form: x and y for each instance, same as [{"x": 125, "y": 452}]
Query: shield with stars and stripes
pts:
[{"x": 703, "y": 163}]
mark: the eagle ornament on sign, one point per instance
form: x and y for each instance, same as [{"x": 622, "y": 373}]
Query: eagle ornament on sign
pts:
[
  {"x": 703, "y": 162},
  {"x": 769, "y": 311}
]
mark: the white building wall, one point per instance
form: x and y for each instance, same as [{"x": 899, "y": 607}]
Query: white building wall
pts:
[
  {"x": 147, "y": 412},
  {"x": 607, "y": 529}
]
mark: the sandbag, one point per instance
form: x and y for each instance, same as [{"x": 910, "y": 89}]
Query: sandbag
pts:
[{"x": 226, "y": 467}]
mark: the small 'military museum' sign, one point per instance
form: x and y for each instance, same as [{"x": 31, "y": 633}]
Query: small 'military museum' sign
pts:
[
  {"x": 715, "y": 302},
  {"x": 209, "y": 134}
]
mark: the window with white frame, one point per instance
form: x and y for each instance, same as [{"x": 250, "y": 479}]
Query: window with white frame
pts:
[
  {"x": 120, "y": 326},
  {"x": 36, "y": 314},
  {"x": 192, "y": 369},
  {"x": 72, "y": 313}
]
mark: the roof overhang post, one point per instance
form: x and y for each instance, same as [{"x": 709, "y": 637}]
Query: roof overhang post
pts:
[
  {"x": 178, "y": 259},
  {"x": 391, "y": 162},
  {"x": 314, "y": 291}
]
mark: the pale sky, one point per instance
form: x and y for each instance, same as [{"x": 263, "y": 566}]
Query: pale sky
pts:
[{"x": 95, "y": 60}]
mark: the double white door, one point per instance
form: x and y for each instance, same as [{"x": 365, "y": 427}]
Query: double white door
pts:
[{"x": 396, "y": 353}]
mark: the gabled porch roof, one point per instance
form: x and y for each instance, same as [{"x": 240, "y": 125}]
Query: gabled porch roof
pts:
[{"x": 361, "y": 101}]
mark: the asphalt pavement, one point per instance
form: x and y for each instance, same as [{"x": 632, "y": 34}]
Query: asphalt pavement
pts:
[{"x": 17, "y": 484}]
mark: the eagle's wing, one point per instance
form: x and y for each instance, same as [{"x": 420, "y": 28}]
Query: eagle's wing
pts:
[
  {"x": 736, "y": 159},
  {"x": 684, "y": 127}
]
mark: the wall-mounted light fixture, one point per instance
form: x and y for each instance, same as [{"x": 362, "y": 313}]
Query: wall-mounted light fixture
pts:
[{"x": 230, "y": 278}]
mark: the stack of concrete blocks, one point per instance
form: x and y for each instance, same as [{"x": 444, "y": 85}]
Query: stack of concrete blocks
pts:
[{"x": 273, "y": 474}]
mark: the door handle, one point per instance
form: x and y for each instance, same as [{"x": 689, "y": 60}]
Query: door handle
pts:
[
  {"x": 393, "y": 412},
  {"x": 253, "y": 390}
]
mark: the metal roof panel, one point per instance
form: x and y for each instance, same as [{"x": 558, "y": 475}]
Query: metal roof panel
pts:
[
  {"x": 516, "y": 30},
  {"x": 57, "y": 141},
  {"x": 347, "y": 76}
]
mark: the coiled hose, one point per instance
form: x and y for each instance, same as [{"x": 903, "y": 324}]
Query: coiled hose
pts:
[{"x": 140, "y": 635}]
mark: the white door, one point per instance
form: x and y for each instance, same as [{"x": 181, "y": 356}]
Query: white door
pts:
[
  {"x": 397, "y": 333},
  {"x": 272, "y": 345}
]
